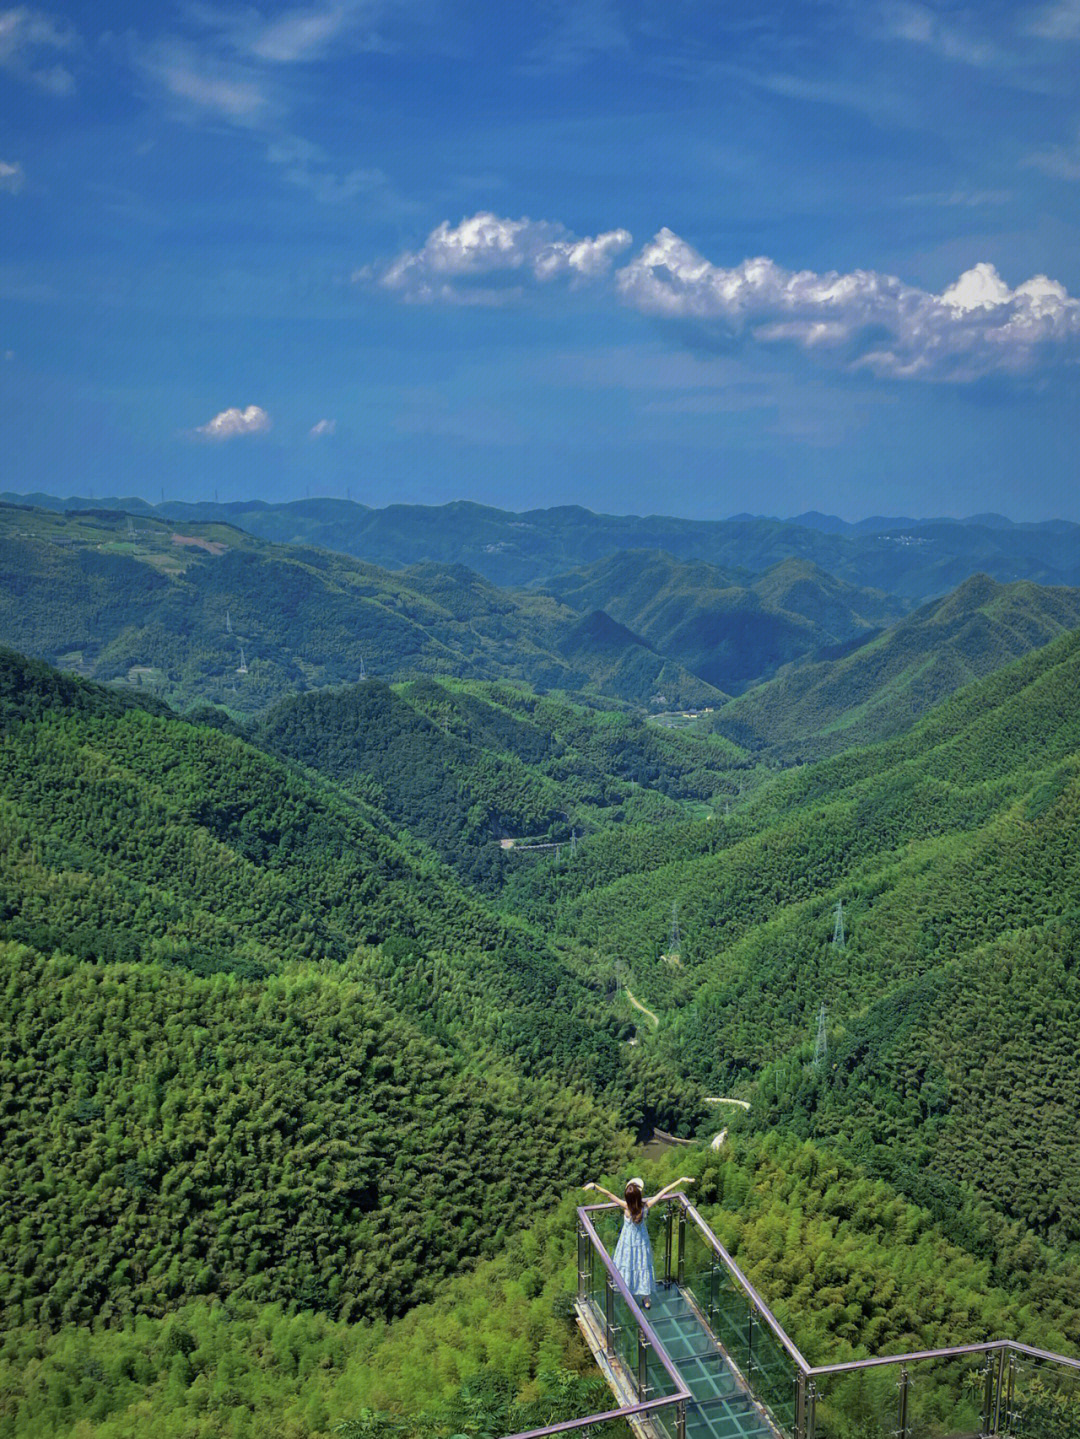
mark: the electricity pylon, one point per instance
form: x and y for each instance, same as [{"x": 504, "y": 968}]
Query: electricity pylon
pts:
[
  {"x": 838, "y": 929},
  {"x": 675, "y": 944},
  {"x": 821, "y": 1044}
]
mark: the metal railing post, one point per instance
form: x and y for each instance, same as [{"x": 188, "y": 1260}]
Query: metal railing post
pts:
[
  {"x": 1010, "y": 1396},
  {"x": 749, "y": 1338},
  {"x": 902, "y": 1430},
  {"x": 811, "y": 1410},
  {"x": 682, "y": 1244},
  {"x": 989, "y": 1396},
  {"x": 609, "y": 1316},
  {"x": 669, "y": 1220},
  {"x": 642, "y": 1366},
  {"x": 800, "y": 1406},
  {"x": 584, "y": 1264},
  {"x": 680, "y": 1419}
]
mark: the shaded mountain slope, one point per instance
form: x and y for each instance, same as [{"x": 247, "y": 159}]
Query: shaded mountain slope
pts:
[
  {"x": 253, "y": 1044},
  {"x": 729, "y": 627},
  {"x": 464, "y": 768},
  {"x": 134, "y": 835}
]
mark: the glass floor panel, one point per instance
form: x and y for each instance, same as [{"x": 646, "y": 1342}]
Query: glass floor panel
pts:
[{"x": 721, "y": 1407}]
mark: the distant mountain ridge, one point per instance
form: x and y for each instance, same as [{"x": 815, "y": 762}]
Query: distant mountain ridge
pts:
[{"x": 914, "y": 559}]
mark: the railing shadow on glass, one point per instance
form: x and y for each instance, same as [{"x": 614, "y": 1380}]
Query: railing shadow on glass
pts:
[{"x": 997, "y": 1390}]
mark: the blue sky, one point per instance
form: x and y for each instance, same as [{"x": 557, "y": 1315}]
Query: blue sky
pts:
[{"x": 689, "y": 258}]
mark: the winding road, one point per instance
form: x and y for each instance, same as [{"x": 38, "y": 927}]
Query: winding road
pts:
[
  {"x": 717, "y": 1139},
  {"x": 644, "y": 1008}
]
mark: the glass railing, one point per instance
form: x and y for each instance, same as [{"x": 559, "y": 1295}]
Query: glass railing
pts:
[
  {"x": 627, "y": 1348},
  {"x": 997, "y": 1390},
  {"x": 771, "y": 1366}
]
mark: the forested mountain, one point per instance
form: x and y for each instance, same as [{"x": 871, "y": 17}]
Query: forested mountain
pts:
[
  {"x": 816, "y": 707},
  {"x": 466, "y": 767},
  {"x": 207, "y": 613},
  {"x": 729, "y": 627},
  {"x": 914, "y": 559},
  {"x": 252, "y": 1044},
  {"x": 955, "y": 853}
]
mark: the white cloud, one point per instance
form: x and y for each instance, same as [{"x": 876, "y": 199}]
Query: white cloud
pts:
[
  {"x": 204, "y": 82},
  {"x": 28, "y": 42},
  {"x": 951, "y": 199},
  {"x": 975, "y": 327},
  {"x": 234, "y": 422},
  {"x": 486, "y": 245},
  {"x": 1060, "y": 161},
  {"x": 921, "y": 25},
  {"x": 310, "y": 33},
  {"x": 1059, "y": 21},
  {"x": 864, "y": 319},
  {"x": 12, "y": 176},
  {"x": 322, "y": 427}
]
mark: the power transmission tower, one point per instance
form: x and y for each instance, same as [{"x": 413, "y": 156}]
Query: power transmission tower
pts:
[
  {"x": 242, "y": 668},
  {"x": 363, "y": 671},
  {"x": 573, "y": 844},
  {"x": 821, "y": 1044},
  {"x": 675, "y": 945},
  {"x": 838, "y": 938},
  {"x": 228, "y": 623}
]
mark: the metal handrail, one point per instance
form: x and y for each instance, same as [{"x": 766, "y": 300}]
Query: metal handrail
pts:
[
  {"x": 955, "y": 1351},
  {"x": 810, "y": 1370},
  {"x": 759, "y": 1304},
  {"x": 644, "y": 1406}
]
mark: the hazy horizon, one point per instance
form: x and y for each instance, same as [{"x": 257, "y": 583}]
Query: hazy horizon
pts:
[{"x": 29, "y": 497}]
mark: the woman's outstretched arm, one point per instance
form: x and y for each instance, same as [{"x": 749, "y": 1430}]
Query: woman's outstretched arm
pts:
[
  {"x": 601, "y": 1190},
  {"x": 668, "y": 1189}
]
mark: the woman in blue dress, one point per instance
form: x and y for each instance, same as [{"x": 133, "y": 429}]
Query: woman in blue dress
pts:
[{"x": 633, "y": 1253}]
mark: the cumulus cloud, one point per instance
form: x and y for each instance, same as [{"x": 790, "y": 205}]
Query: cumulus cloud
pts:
[
  {"x": 322, "y": 427},
  {"x": 975, "y": 327},
  {"x": 12, "y": 176},
  {"x": 234, "y": 422},
  {"x": 864, "y": 319},
  {"x": 28, "y": 41},
  {"x": 485, "y": 246}
]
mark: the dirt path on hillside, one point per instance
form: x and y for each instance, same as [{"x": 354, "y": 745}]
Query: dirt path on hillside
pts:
[{"x": 644, "y": 1008}]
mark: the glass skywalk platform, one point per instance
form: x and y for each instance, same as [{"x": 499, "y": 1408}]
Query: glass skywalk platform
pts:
[
  {"x": 709, "y": 1360},
  {"x": 722, "y": 1406}
]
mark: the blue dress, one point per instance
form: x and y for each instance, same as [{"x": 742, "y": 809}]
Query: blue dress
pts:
[{"x": 633, "y": 1257}]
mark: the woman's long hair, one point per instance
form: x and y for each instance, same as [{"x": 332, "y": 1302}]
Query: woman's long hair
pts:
[{"x": 634, "y": 1202}]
